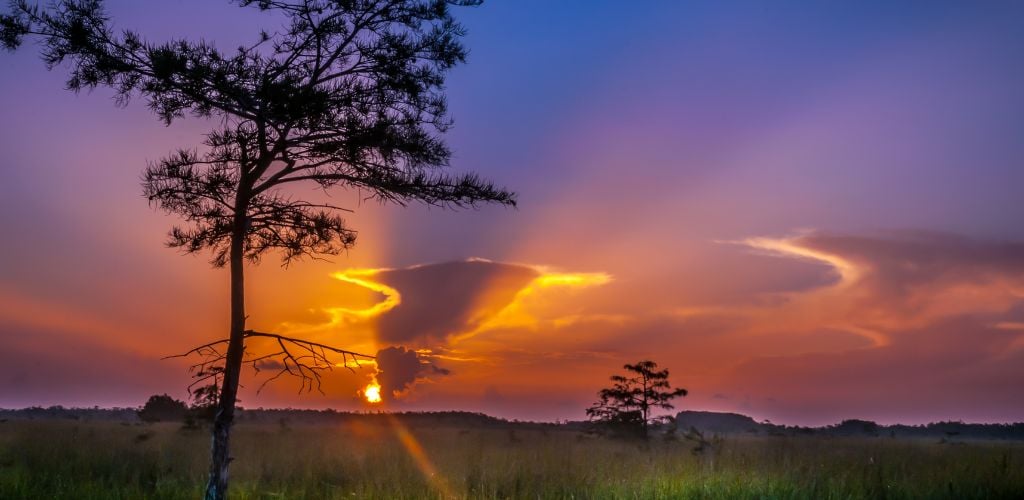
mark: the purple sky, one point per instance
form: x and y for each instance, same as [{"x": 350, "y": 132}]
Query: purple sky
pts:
[{"x": 807, "y": 211}]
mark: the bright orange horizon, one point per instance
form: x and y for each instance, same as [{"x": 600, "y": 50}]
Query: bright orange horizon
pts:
[{"x": 805, "y": 216}]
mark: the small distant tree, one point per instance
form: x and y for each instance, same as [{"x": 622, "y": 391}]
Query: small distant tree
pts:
[
  {"x": 629, "y": 403},
  {"x": 346, "y": 94},
  {"x": 163, "y": 408}
]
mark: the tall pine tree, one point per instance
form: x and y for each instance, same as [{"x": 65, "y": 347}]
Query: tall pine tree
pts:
[{"x": 349, "y": 94}]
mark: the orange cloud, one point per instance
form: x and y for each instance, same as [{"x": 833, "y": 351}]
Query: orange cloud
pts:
[{"x": 422, "y": 312}]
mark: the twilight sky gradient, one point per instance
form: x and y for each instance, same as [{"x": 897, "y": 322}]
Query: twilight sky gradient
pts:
[{"x": 807, "y": 211}]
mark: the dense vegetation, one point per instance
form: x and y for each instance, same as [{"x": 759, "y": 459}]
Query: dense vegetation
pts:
[{"x": 412, "y": 457}]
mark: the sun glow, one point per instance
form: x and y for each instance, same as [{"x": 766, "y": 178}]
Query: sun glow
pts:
[{"x": 372, "y": 392}]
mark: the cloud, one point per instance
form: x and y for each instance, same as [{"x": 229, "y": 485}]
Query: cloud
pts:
[
  {"x": 909, "y": 326},
  {"x": 939, "y": 312},
  {"x": 919, "y": 326},
  {"x": 419, "y": 306},
  {"x": 430, "y": 306},
  {"x": 892, "y": 281},
  {"x": 418, "y": 316},
  {"x": 961, "y": 367},
  {"x": 900, "y": 264},
  {"x": 399, "y": 368},
  {"x": 440, "y": 300}
]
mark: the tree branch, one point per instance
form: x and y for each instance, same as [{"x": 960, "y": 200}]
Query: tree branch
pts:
[{"x": 300, "y": 358}]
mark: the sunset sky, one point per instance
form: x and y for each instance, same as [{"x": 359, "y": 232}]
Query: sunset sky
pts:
[{"x": 806, "y": 211}]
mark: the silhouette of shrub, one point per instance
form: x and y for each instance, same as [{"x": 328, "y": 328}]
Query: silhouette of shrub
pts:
[{"x": 163, "y": 408}]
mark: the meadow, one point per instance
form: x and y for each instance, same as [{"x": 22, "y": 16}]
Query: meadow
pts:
[{"x": 385, "y": 458}]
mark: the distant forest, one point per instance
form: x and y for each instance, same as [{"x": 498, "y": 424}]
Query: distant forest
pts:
[{"x": 711, "y": 423}]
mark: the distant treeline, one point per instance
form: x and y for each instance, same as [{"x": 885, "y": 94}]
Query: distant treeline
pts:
[
  {"x": 291, "y": 416},
  {"x": 733, "y": 424},
  {"x": 707, "y": 422}
]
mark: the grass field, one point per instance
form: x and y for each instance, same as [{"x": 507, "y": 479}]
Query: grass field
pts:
[{"x": 385, "y": 459}]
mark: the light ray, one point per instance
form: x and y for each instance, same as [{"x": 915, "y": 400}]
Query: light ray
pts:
[{"x": 419, "y": 456}]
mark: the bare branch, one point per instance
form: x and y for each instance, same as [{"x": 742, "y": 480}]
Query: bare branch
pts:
[{"x": 300, "y": 358}]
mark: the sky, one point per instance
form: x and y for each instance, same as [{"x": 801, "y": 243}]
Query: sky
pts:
[{"x": 806, "y": 211}]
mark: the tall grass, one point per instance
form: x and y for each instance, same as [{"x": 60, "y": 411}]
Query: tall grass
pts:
[{"x": 93, "y": 460}]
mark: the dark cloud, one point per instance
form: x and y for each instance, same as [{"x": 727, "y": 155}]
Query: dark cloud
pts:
[
  {"x": 399, "y": 368},
  {"x": 441, "y": 299}
]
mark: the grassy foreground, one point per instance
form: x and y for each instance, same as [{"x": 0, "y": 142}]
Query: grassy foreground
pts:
[{"x": 386, "y": 459}]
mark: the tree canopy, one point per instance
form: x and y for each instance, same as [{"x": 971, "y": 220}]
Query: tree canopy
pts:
[{"x": 347, "y": 93}]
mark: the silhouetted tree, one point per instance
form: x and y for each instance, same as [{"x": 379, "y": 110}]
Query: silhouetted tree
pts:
[
  {"x": 627, "y": 405},
  {"x": 162, "y": 408},
  {"x": 348, "y": 93}
]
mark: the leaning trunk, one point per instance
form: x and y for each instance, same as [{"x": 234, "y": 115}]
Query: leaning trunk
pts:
[{"x": 216, "y": 488}]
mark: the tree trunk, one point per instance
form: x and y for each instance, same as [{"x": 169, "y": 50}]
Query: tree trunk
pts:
[
  {"x": 646, "y": 405},
  {"x": 216, "y": 488}
]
